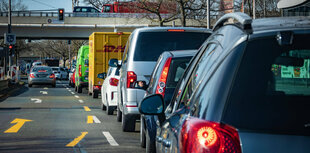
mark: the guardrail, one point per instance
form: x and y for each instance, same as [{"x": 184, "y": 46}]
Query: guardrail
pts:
[{"x": 84, "y": 14}]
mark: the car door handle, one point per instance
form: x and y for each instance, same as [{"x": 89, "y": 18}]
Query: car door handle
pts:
[
  {"x": 159, "y": 139},
  {"x": 166, "y": 143}
]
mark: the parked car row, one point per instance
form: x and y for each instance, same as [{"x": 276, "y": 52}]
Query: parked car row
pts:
[{"x": 243, "y": 87}]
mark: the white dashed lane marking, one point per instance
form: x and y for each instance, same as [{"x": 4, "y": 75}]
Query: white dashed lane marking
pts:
[
  {"x": 96, "y": 120},
  {"x": 110, "y": 138},
  {"x": 76, "y": 96},
  {"x": 81, "y": 101},
  {"x": 72, "y": 93}
]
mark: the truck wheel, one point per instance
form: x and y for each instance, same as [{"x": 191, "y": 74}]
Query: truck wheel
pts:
[
  {"x": 103, "y": 107},
  {"x": 75, "y": 88},
  {"x": 119, "y": 115},
  {"x": 89, "y": 93},
  {"x": 79, "y": 89},
  {"x": 128, "y": 123},
  {"x": 110, "y": 110},
  {"x": 95, "y": 94},
  {"x": 54, "y": 85},
  {"x": 29, "y": 85}
]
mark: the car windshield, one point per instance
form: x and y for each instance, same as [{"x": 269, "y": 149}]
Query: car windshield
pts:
[
  {"x": 55, "y": 69},
  {"x": 41, "y": 69},
  {"x": 271, "y": 92},
  {"x": 151, "y": 44}
]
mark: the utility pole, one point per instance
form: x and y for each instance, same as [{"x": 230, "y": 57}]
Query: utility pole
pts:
[
  {"x": 208, "y": 14},
  {"x": 254, "y": 13},
  {"x": 9, "y": 31}
]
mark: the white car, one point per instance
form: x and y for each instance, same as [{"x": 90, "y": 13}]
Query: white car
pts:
[
  {"x": 60, "y": 73},
  {"x": 109, "y": 91}
]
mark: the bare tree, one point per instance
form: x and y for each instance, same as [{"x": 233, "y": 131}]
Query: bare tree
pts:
[{"x": 16, "y": 5}]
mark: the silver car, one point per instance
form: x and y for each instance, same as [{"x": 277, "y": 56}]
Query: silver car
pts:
[
  {"x": 143, "y": 48},
  {"x": 41, "y": 75}
]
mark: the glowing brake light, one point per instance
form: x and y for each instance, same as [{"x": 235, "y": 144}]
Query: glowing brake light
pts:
[
  {"x": 42, "y": 71},
  {"x": 32, "y": 75},
  {"x": 176, "y": 30},
  {"x": 131, "y": 78},
  {"x": 52, "y": 75},
  {"x": 161, "y": 86},
  {"x": 113, "y": 81},
  {"x": 205, "y": 136}
]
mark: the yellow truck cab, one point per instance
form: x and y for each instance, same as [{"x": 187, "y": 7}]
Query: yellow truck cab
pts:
[{"x": 103, "y": 46}]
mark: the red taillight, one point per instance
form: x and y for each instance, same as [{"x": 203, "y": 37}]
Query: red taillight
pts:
[
  {"x": 176, "y": 30},
  {"x": 211, "y": 137},
  {"x": 52, "y": 75},
  {"x": 113, "y": 81},
  {"x": 32, "y": 75},
  {"x": 131, "y": 78},
  {"x": 161, "y": 86},
  {"x": 97, "y": 87},
  {"x": 80, "y": 70}
]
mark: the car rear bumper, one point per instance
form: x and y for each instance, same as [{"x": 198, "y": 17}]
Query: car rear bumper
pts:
[
  {"x": 41, "y": 81},
  {"x": 133, "y": 99}
]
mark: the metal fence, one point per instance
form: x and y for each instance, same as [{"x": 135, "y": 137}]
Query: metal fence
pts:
[{"x": 84, "y": 14}]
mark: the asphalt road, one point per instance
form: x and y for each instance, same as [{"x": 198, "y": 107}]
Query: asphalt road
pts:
[{"x": 46, "y": 119}]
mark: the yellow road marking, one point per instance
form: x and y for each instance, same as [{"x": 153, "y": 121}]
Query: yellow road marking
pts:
[
  {"x": 76, "y": 140},
  {"x": 19, "y": 123},
  {"x": 90, "y": 119},
  {"x": 87, "y": 109}
]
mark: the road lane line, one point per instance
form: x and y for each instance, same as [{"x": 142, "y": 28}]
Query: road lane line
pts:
[
  {"x": 90, "y": 119},
  {"x": 77, "y": 140},
  {"x": 96, "y": 120},
  {"x": 37, "y": 100},
  {"x": 43, "y": 92},
  {"x": 72, "y": 93},
  {"x": 81, "y": 101},
  {"x": 19, "y": 123},
  {"x": 76, "y": 96},
  {"x": 70, "y": 90},
  {"x": 87, "y": 109},
  {"x": 67, "y": 88},
  {"x": 45, "y": 88},
  {"x": 110, "y": 138}
]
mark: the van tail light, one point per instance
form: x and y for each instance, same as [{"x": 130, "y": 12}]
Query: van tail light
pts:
[
  {"x": 211, "y": 137},
  {"x": 52, "y": 75},
  {"x": 80, "y": 70},
  {"x": 131, "y": 78},
  {"x": 32, "y": 75},
  {"x": 161, "y": 86},
  {"x": 113, "y": 81}
]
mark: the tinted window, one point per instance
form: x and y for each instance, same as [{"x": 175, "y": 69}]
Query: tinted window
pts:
[
  {"x": 271, "y": 91},
  {"x": 41, "y": 69},
  {"x": 151, "y": 44},
  {"x": 177, "y": 68},
  {"x": 55, "y": 69}
]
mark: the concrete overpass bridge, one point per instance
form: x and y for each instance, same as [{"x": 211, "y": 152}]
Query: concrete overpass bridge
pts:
[{"x": 45, "y": 25}]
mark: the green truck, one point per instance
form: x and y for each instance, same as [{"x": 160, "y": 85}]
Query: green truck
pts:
[{"x": 81, "y": 71}]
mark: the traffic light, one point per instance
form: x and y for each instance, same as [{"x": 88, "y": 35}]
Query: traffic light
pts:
[
  {"x": 11, "y": 49},
  {"x": 61, "y": 15}
]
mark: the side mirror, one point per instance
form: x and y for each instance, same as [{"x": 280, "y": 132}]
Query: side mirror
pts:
[
  {"x": 113, "y": 62},
  {"x": 152, "y": 105},
  {"x": 102, "y": 75}
]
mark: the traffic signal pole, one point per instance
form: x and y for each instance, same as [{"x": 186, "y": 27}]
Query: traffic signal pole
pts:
[{"x": 9, "y": 31}]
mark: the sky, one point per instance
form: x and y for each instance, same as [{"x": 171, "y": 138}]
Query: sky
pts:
[{"x": 49, "y": 4}]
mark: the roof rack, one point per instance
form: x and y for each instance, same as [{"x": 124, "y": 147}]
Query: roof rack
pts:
[{"x": 243, "y": 21}]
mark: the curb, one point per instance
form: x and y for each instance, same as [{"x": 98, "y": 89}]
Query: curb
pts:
[{"x": 11, "y": 89}]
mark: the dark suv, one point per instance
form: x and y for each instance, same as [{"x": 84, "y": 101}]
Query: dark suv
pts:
[
  {"x": 168, "y": 70},
  {"x": 249, "y": 83}
]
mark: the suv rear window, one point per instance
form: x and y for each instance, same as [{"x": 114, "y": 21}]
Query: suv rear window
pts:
[
  {"x": 151, "y": 44},
  {"x": 271, "y": 92}
]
